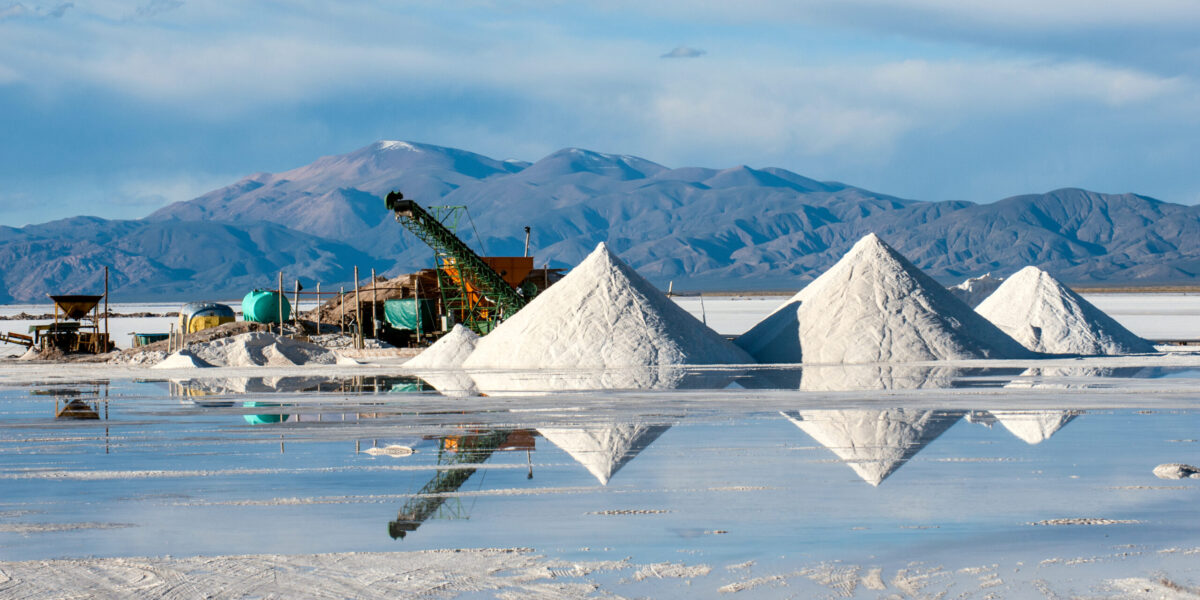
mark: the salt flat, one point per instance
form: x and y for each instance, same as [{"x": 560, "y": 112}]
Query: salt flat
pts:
[{"x": 1010, "y": 479}]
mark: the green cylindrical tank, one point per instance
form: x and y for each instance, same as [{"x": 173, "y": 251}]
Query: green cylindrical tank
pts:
[{"x": 262, "y": 306}]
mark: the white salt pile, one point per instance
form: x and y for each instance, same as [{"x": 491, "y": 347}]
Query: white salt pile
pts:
[
  {"x": 1047, "y": 316},
  {"x": 875, "y": 306},
  {"x": 448, "y": 352},
  {"x": 1033, "y": 426},
  {"x": 874, "y": 442},
  {"x": 1176, "y": 471},
  {"x": 602, "y": 315},
  {"x": 603, "y": 450},
  {"x": 974, "y": 290},
  {"x": 183, "y": 359},
  {"x": 259, "y": 349}
]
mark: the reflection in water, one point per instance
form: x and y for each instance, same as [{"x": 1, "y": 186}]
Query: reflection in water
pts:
[
  {"x": 665, "y": 377},
  {"x": 1033, "y": 426},
  {"x": 604, "y": 449},
  {"x": 833, "y": 378},
  {"x": 200, "y": 388},
  {"x": 453, "y": 452},
  {"x": 874, "y": 442},
  {"x": 263, "y": 419},
  {"x": 1068, "y": 378}
]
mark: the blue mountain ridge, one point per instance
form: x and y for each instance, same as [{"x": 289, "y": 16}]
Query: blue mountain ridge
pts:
[{"x": 731, "y": 229}]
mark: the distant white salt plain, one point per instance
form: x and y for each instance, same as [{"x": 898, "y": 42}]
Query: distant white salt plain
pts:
[{"x": 1156, "y": 316}]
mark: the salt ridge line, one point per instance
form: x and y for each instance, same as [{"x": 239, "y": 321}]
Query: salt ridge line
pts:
[
  {"x": 1046, "y": 316},
  {"x": 874, "y": 306},
  {"x": 601, "y": 315}
]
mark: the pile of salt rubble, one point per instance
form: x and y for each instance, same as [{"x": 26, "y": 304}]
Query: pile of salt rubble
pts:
[
  {"x": 251, "y": 350},
  {"x": 873, "y": 306}
]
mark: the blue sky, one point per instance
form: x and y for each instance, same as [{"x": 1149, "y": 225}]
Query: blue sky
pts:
[{"x": 114, "y": 108}]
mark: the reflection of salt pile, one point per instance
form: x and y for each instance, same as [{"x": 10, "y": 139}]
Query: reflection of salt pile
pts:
[
  {"x": 1046, "y": 316},
  {"x": 840, "y": 378},
  {"x": 1033, "y": 426},
  {"x": 603, "y": 450},
  {"x": 875, "y": 306},
  {"x": 249, "y": 385},
  {"x": 1069, "y": 378},
  {"x": 658, "y": 377},
  {"x": 448, "y": 352},
  {"x": 602, "y": 314},
  {"x": 874, "y": 442},
  {"x": 976, "y": 289},
  {"x": 257, "y": 349}
]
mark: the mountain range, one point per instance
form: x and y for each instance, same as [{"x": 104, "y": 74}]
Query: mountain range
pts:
[{"x": 731, "y": 229}]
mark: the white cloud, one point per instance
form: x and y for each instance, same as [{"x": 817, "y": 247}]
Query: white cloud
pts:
[{"x": 684, "y": 52}]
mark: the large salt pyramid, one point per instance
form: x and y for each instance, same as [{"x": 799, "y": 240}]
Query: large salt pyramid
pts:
[
  {"x": 603, "y": 450},
  {"x": 602, "y": 315},
  {"x": 874, "y": 442},
  {"x": 448, "y": 352},
  {"x": 976, "y": 289},
  {"x": 875, "y": 306},
  {"x": 1047, "y": 316}
]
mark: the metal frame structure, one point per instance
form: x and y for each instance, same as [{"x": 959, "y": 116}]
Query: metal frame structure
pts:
[{"x": 494, "y": 301}]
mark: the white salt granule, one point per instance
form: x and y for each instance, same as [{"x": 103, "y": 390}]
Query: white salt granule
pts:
[
  {"x": 875, "y": 306},
  {"x": 1047, "y": 316},
  {"x": 602, "y": 315}
]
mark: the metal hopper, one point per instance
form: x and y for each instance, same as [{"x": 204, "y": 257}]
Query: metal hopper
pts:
[{"x": 75, "y": 306}]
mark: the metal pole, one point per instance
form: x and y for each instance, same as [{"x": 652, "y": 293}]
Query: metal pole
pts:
[
  {"x": 318, "y": 308},
  {"x": 279, "y": 300},
  {"x": 342, "y": 305},
  {"x": 374, "y": 304},
  {"x": 526, "y": 240},
  {"x": 296, "y": 308}
]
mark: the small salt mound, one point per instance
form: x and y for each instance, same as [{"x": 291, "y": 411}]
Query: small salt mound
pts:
[
  {"x": 448, "y": 352},
  {"x": 875, "y": 306},
  {"x": 262, "y": 349},
  {"x": 183, "y": 359},
  {"x": 605, "y": 449},
  {"x": 602, "y": 315},
  {"x": 1047, "y": 316},
  {"x": 976, "y": 289},
  {"x": 874, "y": 442},
  {"x": 1033, "y": 426}
]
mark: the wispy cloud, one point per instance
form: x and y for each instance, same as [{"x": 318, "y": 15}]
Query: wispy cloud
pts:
[
  {"x": 684, "y": 52},
  {"x": 17, "y": 10},
  {"x": 156, "y": 7}
]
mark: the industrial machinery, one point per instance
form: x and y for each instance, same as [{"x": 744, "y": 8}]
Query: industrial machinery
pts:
[
  {"x": 477, "y": 291},
  {"x": 78, "y": 329}
]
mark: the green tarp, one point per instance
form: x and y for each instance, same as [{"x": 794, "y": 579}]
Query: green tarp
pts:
[{"x": 402, "y": 314}]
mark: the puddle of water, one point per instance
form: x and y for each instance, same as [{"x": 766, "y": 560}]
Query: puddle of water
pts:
[{"x": 150, "y": 468}]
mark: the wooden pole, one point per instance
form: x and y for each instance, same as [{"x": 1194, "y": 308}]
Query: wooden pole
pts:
[
  {"x": 318, "y": 309},
  {"x": 357, "y": 313},
  {"x": 279, "y": 299},
  {"x": 374, "y": 304},
  {"x": 342, "y": 305},
  {"x": 106, "y": 308},
  {"x": 296, "y": 307}
]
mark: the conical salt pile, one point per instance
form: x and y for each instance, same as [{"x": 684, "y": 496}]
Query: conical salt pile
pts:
[
  {"x": 976, "y": 289},
  {"x": 1047, "y": 316},
  {"x": 602, "y": 315},
  {"x": 448, "y": 352},
  {"x": 603, "y": 450},
  {"x": 874, "y": 442},
  {"x": 1033, "y": 426},
  {"x": 875, "y": 306}
]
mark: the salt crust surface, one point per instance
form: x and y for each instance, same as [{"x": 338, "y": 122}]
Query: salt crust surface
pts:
[
  {"x": 1047, "y": 316},
  {"x": 250, "y": 349},
  {"x": 874, "y": 442},
  {"x": 604, "y": 450},
  {"x": 448, "y": 352},
  {"x": 602, "y": 315},
  {"x": 976, "y": 289},
  {"x": 875, "y": 306}
]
